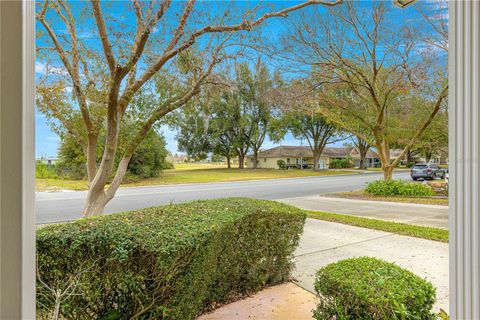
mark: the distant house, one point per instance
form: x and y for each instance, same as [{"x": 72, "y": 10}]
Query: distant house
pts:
[
  {"x": 295, "y": 156},
  {"x": 48, "y": 160},
  {"x": 177, "y": 158},
  {"x": 441, "y": 158}
]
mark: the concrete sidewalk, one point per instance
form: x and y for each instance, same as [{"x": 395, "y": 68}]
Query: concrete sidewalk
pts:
[
  {"x": 283, "y": 302},
  {"x": 325, "y": 242},
  {"x": 411, "y": 213}
]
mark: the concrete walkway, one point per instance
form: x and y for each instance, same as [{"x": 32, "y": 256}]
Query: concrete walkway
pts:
[
  {"x": 411, "y": 213},
  {"x": 283, "y": 302},
  {"x": 326, "y": 242}
]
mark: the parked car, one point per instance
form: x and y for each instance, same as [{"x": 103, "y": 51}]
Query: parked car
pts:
[{"x": 426, "y": 171}]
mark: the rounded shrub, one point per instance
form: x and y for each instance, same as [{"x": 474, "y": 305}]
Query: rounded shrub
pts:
[
  {"x": 170, "y": 262},
  {"x": 398, "y": 188},
  {"x": 341, "y": 163},
  {"x": 369, "y": 288}
]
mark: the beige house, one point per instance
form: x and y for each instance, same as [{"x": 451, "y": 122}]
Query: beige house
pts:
[
  {"x": 295, "y": 156},
  {"x": 440, "y": 158}
]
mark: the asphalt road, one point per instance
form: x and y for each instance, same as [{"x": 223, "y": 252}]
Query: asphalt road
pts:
[{"x": 64, "y": 206}]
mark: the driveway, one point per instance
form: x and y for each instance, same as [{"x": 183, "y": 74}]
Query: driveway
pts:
[
  {"x": 411, "y": 213},
  {"x": 325, "y": 242}
]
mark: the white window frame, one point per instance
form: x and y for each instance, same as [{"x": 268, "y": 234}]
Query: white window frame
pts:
[
  {"x": 17, "y": 219},
  {"x": 17, "y": 160}
]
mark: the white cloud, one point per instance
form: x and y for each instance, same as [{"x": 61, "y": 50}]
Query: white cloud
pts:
[{"x": 39, "y": 67}]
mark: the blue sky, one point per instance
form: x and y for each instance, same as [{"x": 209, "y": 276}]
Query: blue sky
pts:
[{"x": 47, "y": 141}]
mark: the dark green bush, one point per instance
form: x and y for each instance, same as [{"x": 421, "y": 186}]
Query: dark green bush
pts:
[
  {"x": 398, "y": 188},
  {"x": 170, "y": 262},
  {"x": 167, "y": 165},
  {"x": 341, "y": 163},
  {"x": 281, "y": 164},
  {"x": 369, "y": 288},
  {"x": 410, "y": 164},
  {"x": 147, "y": 161}
]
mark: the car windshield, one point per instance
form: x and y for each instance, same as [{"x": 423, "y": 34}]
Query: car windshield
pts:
[{"x": 420, "y": 166}]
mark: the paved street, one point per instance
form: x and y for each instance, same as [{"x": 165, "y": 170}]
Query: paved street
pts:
[{"x": 63, "y": 206}]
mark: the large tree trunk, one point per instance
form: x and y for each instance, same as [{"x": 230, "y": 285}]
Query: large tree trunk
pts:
[
  {"x": 95, "y": 203},
  {"x": 387, "y": 172},
  {"x": 91, "y": 156},
  {"x": 428, "y": 156},
  {"x": 362, "y": 163},
  {"x": 97, "y": 196},
  {"x": 316, "y": 160},
  {"x": 383, "y": 149},
  {"x": 241, "y": 160},
  {"x": 229, "y": 163},
  {"x": 363, "y": 156},
  {"x": 255, "y": 157}
]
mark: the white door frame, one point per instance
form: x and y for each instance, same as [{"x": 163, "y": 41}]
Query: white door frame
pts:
[{"x": 17, "y": 220}]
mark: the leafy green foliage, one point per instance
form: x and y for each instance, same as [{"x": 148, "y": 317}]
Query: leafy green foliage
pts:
[
  {"x": 147, "y": 161},
  {"x": 341, "y": 163},
  {"x": 369, "y": 288},
  {"x": 398, "y": 188},
  {"x": 281, "y": 164},
  {"x": 45, "y": 171},
  {"x": 170, "y": 262},
  {"x": 228, "y": 120}
]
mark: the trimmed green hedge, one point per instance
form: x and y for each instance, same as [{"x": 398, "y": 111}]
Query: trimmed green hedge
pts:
[
  {"x": 170, "y": 262},
  {"x": 398, "y": 188},
  {"x": 369, "y": 288}
]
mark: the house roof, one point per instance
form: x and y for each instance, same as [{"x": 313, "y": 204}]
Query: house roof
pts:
[{"x": 303, "y": 151}]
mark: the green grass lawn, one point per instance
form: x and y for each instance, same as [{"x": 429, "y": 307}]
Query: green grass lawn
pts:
[
  {"x": 388, "y": 226},
  {"x": 193, "y": 173},
  {"x": 361, "y": 195}
]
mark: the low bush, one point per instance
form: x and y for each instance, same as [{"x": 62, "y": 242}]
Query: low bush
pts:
[
  {"x": 398, "y": 188},
  {"x": 368, "y": 288},
  {"x": 170, "y": 262},
  {"x": 45, "y": 171},
  {"x": 167, "y": 165},
  {"x": 281, "y": 164},
  {"x": 410, "y": 164},
  {"x": 341, "y": 164}
]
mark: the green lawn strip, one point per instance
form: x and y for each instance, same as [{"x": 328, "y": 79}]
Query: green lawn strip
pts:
[
  {"x": 199, "y": 174},
  {"x": 361, "y": 195},
  {"x": 428, "y": 233}
]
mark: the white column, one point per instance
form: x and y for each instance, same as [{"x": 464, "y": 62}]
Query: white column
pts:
[
  {"x": 464, "y": 123},
  {"x": 17, "y": 160}
]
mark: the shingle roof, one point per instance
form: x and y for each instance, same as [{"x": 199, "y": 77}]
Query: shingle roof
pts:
[{"x": 304, "y": 151}]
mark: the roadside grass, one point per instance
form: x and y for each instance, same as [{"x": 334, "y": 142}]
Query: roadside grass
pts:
[
  {"x": 193, "y": 173},
  {"x": 401, "y": 168},
  {"x": 428, "y": 233},
  {"x": 361, "y": 195},
  {"x": 59, "y": 184}
]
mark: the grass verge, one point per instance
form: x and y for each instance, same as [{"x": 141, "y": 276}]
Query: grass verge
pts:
[
  {"x": 361, "y": 195},
  {"x": 188, "y": 173},
  {"x": 428, "y": 233}
]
